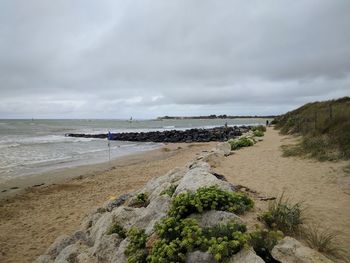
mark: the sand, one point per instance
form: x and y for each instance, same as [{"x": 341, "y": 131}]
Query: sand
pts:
[
  {"x": 323, "y": 187},
  {"x": 32, "y": 220}
]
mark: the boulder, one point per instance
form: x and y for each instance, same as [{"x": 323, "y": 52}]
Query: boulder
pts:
[
  {"x": 289, "y": 250},
  {"x": 223, "y": 148},
  {"x": 142, "y": 218},
  {"x": 58, "y": 245},
  {"x": 213, "y": 218},
  {"x": 110, "y": 205},
  {"x": 213, "y": 159},
  {"x": 70, "y": 253},
  {"x": 106, "y": 247},
  {"x": 199, "y": 176},
  {"x": 200, "y": 257},
  {"x": 119, "y": 256},
  {"x": 157, "y": 185},
  {"x": 101, "y": 227},
  {"x": 246, "y": 256}
]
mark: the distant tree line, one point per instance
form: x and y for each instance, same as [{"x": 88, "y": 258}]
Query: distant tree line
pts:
[{"x": 213, "y": 116}]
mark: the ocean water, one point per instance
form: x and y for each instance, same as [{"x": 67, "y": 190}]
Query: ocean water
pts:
[{"x": 36, "y": 146}]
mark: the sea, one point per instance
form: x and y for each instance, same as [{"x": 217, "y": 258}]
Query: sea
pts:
[{"x": 37, "y": 146}]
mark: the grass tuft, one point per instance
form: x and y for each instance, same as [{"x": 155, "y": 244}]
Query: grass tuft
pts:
[
  {"x": 323, "y": 240},
  {"x": 283, "y": 215}
]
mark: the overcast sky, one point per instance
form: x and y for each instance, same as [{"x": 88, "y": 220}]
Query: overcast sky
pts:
[{"x": 116, "y": 59}]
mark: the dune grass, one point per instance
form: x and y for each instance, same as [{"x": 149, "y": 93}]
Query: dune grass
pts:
[
  {"x": 325, "y": 129},
  {"x": 283, "y": 215},
  {"x": 323, "y": 240}
]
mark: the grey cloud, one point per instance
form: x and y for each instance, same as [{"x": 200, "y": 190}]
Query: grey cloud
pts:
[{"x": 122, "y": 58}]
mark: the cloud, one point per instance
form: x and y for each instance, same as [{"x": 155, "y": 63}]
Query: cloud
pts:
[{"x": 145, "y": 59}]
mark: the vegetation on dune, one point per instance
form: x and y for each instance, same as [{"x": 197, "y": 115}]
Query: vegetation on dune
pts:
[
  {"x": 178, "y": 237},
  {"x": 325, "y": 127},
  {"x": 258, "y": 133},
  {"x": 260, "y": 128},
  {"x": 241, "y": 142},
  {"x": 283, "y": 215},
  {"x": 209, "y": 198}
]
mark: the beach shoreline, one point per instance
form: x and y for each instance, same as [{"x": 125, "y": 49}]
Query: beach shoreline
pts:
[
  {"x": 22, "y": 183},
  {"x": 34, "y": 217}
]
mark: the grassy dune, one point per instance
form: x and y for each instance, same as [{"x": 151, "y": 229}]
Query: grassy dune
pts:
[{"x": 324, "y": 126}]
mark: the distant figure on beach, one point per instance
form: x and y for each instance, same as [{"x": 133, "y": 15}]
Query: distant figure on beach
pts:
[
  {"x": 267, "y": 122},
  {"x": 225, "y": 124}
]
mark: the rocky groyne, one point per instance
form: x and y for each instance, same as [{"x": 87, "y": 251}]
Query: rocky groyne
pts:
[
  {"x": 190, "y": 214},
  {"x": 191, "y": 135}
]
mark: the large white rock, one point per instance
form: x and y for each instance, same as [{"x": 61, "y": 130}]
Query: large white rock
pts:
[
  {"x": 172, "y": 176},
  {"x": 223, "y": 148},
  {"x": 119, "y": 256},
  {"x": 144, "y": 217},
  {"x": 106, "y": 247},
  {"x": 214, "y": 159},
  {"x": 199, "y": 176},
  {"x": 289, "y": 250},
  {"x": 246, "y": 256},
  {"x": 70, "y": 253},
  {"x": 101, "y": 227}
]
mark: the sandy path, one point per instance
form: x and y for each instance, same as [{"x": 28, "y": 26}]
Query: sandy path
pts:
[
  {"x": 31, "y": 222},
  {"x": 323, "y": 187}
]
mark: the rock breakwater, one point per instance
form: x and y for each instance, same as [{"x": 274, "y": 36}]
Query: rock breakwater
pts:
[
  {"x": 191, "y": 135},
  {"x": 188, "y": 215}
]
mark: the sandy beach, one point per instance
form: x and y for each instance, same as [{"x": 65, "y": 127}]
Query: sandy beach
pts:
[{"x": 30, "y": 221}]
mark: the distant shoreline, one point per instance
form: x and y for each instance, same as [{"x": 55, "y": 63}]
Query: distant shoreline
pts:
[{"x": 211, "y": 117}]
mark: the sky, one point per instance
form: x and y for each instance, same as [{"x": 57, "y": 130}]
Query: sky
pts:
[{"x": 116, "y": 59}]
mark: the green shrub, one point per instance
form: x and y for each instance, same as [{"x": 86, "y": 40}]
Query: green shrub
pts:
[
  {"x": 169, "y": 191},
  {"x": 223, "y": 247},
  {"x": 283, "y": 216},
  {"x": 260, "y": 128},
  {"x": 263, "y": 242},
  {"x": 209, "y": 198},
  {"x": 141, "y": 200},
  {"x": 178, "y": 237},
  {"x": 258, "y": 133},
  {"x": 136, "y": 251},
  {"x": 241, "y": 142},
  {"x": 117, "y": 229}
]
